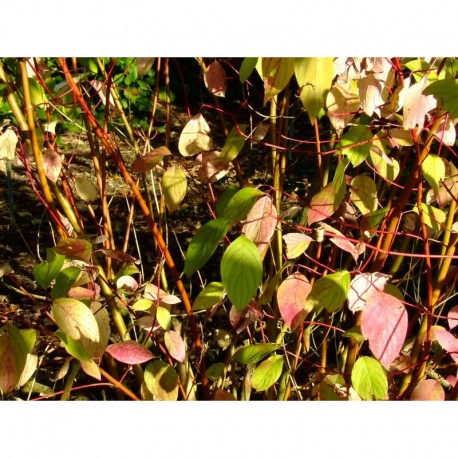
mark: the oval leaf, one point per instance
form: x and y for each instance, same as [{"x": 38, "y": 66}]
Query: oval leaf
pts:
[
  {"x": 291, "y": 298},
  {"x": 175, "y": 345},
  {"x": 75, "y": 319},
  {"x": 428, "y": 390},
  {"x": 174, "y": 185},
  {"x": 252, "y": 354},
  {"x": 322, "y": 205},
  {"x": 209, "y": 296},
  {"x": 276, "y": 73},
  {"x": 267, "y": 373},
  {"x": 234, "y": 143},
  {"x": 452, "y": 317},
  {"x": 147, "y": 162},
  {"x": 296, "y": 244},
  {"x": 384, "y": 323},
  {"x": 241, "y": 203},
  {"x": 361, "y": 288},
  {"x": 433, "y": 168},
  {"x": 447, "y": 341},
  {"x": 204, "y": 244},
  {"x": 369, "y": 379},
  {"x": 162, "y": 381},
  {"x": 215, "y": 79},
  {"x": 75, "y": 249},
  {"x": 195, "y": 137},
  {"x": 129, "y": 352},
  {"x": 241, "y": 271},
  {"x": 363, "y": 194}
]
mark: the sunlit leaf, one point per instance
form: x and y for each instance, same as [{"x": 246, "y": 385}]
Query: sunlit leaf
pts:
[
  {"x": 267, "y": 373},
  {"x": 322, "y": 205},
  {"x": 234, "y": 143},
  {"x": 195, "y": 137},
  {"x": 369, "y": 379},
  {"x": 225, "y": 198},
  {"x": 370, "y": 93},
  {"x": 432, "y": 216},
  {"x": 162, "y": 381},
  {"x": 446, "y": 132},
  {"x": 97, "y": 349},
  {"x": 329, "y": 291},
  {"x": 276, "y": 73},
  {"x": 75, "y": 249},
  {"x": 452, "y": 317},
  {"x": 241, "y": 203},
  {"x": 447, "y": 341},
  {"x": 362, "y": 287},
  {"x": 314, "y": 76},
  {"x": 384, "y": 323},
  {"x": 247, "y": 67},
  {"x": 204, "y": 244},
  {"x": 65, "y": 279},
  {"x": 417, "y": 105},
  {"x": 296, "y": 244},
  {"x": 339, "y": 181},
  {"x": 174, "y": 186},
  {"x": 175, "y": 345},
  {"x": 147, "y": 162},
  {"x": 261, "y": 223},
  {"x": 209, "y": 296},
  {"x": 241, "y": 271},
  {"x": 342, "y": 103},
  {"x": 291, "y": 299},
  {"x": 45, "y": 272},
  {"x": 252, "y": 354},
  {"x": 91, "y": 369},
  {"x": 387, "y": 167},
  {"x": 8, "y": 142},
  {"x": 213, "y": 168},
  {"x": 129, "y": 352},
  {"x": 52, "y": 164},
  {"x": 428, "y": 390},
  {"x": 446, "y": 91},
  {"x": 30, "y": 367},
  {"x": 355, "y": 144},
  {"x": 75, "y": 319},
  {"x": 433, "y": 168},
  {"x": 73, "y": 347},
  {"x": 363, "y": 193},
  {"x": 163, "y": 318},
  {"x": 215, "y": 79}
]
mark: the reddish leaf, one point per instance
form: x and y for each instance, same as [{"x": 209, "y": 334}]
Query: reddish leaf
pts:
[
  {"x": 349, "y": 247},
  {"x": 417, "y": 105},
  {"x": 118, "y": 255},
  {"x": 240, "y": 320},
  {"x": 362, "y": 287},
  {"x": 428, "y": 390},
  {"x": 322, "y": 205},
  {"x": 213, "y": 167},
  {"x": 175, "y": 345},
  {"x": 52, "y": 164},
  {"x": 447, "y": 341},
  {"x": 452, "y": 317},
  {"x": 221, "y": 395},
  {"x": 150, "y": 160},
  {"x": 384, "y": 323},
  {"x": 261, "y": 223},
  {"x": 75, "y": 249},
  {"x": 215, "y": 79},
  {"x": 291, "y": 296},
  {"x": 129, "y": 352}
]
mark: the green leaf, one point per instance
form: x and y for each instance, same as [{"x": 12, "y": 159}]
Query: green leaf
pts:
[
  {"x": 355, "y": 333},
  {"x": 75, "y": 319},
  {"x": 142, "y": 304},
  {"x": 276, "y": 74},
  {"x": 225, "y": 198},
  {"x": 267, "y": 373},
  {"x": 215, "y": 371},
  {"x": 209, "y": 296},
  {"x": 355, "y": 144},
  {"x": 241, "y": 203},
  {"x": 45, "y": 272},
  {"x": 163, "y": 318},
  {"x": 65, "y": 279},
  {"x": 433, "y": 217},
  {"x": 314, "y": 76},
  {"x": 330, "y": 291},
  {"x": 30, "y": 337},
  {"x": 385, "y": 165},
  {"x": 241, "y": 271},
  {"x": 247, "y": 67},
  {"x": 369, "y": 379},
  {"x": 234, "y": 143},
  {"x": 433, "y": 168},
  {"x": 363, "y": 194},
  {"x": 373, "y": 219},
  {"x": 252, "y": 354},
  {"x": 204, "y": 244},
  {"x": 73, "y": 347},
  {"x": 339, "y": 181},
  {"x": 447, "y": 92},
  {"x": 174, "y": 185},
  {"x": 161, "y": 380}
]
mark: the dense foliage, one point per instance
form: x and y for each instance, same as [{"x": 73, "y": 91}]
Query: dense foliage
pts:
[{"x": 282, "y": 228}]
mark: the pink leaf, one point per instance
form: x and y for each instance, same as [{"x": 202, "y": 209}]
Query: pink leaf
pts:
[
  {"x": 150, "y": 160},
  {"x": 447, "y": 341},
  {"x": 215, "y": 79},
  {"x": 213, "y": 167},
  {"x": 129, "y": 352},
  {"x": 52, "y": 164},
  {"x": 175, "y": 345},
  {"x": 240, "y": 320},
  {"x": 370, "y": 93},
  {"x": 322, "y": 205},
  {"x": 417, "y": 105},
  {"x": 452, "y": 317},
  {"x": 428, "y": 390},
  {"x": 362, "y": 287},
  {"x": 291, "y": 296},
  {"x": 261, "y": 223},
  {"x": 296, "y": 244},
  {"x": 384, "y": 323},
  {"x": 349, "y": 247}
]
